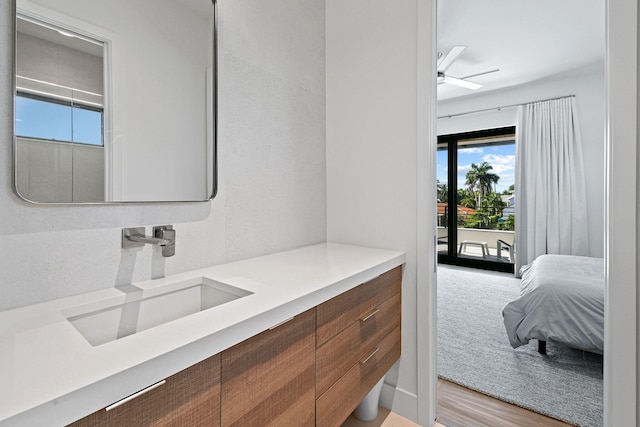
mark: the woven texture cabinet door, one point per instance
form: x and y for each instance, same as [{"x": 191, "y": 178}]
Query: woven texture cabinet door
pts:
[
  {"x": 335, "y": 405},
  {"x": 354, "y": 343},
  {"x": 269, "y": 379},
  {"x": 358, "y": 339},
  {"x": 189, "y": 398},
  {"x": 340, "y": 312}
]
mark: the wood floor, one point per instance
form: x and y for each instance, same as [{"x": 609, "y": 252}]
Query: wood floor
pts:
[{"x": 461, "y": 407}]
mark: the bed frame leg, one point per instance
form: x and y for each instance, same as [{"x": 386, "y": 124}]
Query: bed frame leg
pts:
[{"x": 542, "y": 347}]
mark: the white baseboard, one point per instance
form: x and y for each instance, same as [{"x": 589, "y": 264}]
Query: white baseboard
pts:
[{"x": 399, "y": 401}]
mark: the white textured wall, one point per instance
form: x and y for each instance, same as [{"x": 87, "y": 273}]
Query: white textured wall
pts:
[
  {"x": 376, "y": 86},
  {"x": 272, "y": 188},
  {"x": 272, "y": 62},
  {"x": 588, "y": 86},
  {"x": 621, "y": 363},
  {"x": 59, "y": 172}
]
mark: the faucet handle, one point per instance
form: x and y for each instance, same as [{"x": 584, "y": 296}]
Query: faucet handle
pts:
[
  {"x": 129, "y": 236},
  {"x": 168, "y": 233}
]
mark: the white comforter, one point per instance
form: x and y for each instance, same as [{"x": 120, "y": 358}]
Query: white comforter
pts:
[{"x": 562, "y": 300}]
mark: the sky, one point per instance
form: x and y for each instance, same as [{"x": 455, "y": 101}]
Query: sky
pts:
[
  {"x": 501, "y": 157},
  {"x": 48, "y": 120}
]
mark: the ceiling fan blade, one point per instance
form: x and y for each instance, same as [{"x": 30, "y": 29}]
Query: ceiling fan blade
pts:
[
  {"x": 446, "y": 62},
  {"x": 462, "y": 83},
  {"x": 480, "y": 74}
]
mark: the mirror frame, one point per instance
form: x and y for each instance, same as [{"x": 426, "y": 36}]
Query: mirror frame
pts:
[{"x": 212, "y": 175}]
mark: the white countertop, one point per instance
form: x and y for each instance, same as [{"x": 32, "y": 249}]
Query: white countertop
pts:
[{"x": 50, "y": 375}]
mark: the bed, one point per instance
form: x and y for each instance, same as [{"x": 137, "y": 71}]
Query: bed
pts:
[{"x": 561, "y": 300}]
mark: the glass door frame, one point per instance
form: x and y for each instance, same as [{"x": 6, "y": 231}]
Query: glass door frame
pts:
[{"x": 451, "y": 256}]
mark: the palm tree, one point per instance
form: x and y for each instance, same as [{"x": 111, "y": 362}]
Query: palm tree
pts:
[
  {"x": 480, "y": 181},
  {"x": 443, "y": 192}
]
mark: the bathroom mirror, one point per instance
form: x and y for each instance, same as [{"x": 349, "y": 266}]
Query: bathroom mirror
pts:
[{"x": 115, "y": 101}]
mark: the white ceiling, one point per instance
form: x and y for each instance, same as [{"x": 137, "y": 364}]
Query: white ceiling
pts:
[
  {"x": 526, "y": 40},
  {"x": 51, "y": 33}
]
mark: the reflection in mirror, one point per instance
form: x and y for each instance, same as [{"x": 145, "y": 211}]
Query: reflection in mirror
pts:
[
  {"x": 59, "y": 114},
  {"x": 114, "y": 101}
]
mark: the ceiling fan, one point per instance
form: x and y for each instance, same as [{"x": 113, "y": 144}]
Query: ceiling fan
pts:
[{"x": 445, "y": 61}]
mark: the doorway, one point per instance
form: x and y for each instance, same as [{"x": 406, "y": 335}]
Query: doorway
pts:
[{"x": 449, "y": 239}]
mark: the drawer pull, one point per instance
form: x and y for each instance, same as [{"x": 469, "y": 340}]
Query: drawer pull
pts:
[
  {"x": 134, "y": 395},
  {"x": 369, "y": 356},
  {"x": 281, "y": 323},
  {"x": 370, "y": 315}
]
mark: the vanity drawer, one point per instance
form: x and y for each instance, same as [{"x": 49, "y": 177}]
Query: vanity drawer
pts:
[
  {"x": 335, "y": 405},
  {"x": 338, "y": 355},
  {"x": 268, "y": 379},
  {"x": 338, "y": 313},
  {"x": 190, "y": 397}
]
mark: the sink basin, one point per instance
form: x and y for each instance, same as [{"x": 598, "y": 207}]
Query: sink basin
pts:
[{"x": 117, "y": 318}]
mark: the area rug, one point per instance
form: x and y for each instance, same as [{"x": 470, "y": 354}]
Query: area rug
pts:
[{"x": 473, "y": 351}]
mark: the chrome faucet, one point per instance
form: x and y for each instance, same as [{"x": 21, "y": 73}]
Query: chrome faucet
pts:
[{"x": 163, "y": 235}]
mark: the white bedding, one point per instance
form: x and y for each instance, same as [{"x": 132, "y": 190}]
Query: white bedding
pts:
[{"x": 561, "y": 300}]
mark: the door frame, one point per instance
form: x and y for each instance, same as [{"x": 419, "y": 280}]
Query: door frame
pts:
[
  {"x": 620, "y": 154},
  {"x": 451, "y": 256}
]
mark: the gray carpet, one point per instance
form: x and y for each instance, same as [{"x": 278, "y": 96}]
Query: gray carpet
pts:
[{"x": 473, "y": 351}]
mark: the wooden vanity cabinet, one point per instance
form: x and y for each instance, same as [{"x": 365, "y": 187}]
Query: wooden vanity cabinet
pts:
[
  {"x": 190, "y": 397},
  {"x": 357, "y": 342},
  {"x": 313, "y": 369},
  {"x": 269, "y": 379}
]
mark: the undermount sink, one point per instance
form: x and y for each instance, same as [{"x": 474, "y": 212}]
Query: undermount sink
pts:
[{"x": 112, "y": 319}]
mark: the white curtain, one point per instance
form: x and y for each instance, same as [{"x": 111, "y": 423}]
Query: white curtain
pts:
[{"x": 551, "y": 213}]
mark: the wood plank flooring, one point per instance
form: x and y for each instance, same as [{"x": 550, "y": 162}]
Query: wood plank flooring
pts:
[{"x": 461, "y": 407}]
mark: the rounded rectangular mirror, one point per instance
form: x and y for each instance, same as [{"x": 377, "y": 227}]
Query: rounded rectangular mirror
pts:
[{"x": 115, "y": 101}]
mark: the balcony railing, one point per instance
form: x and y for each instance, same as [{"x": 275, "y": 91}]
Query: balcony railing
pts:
[{"x": 485, "y": 243}]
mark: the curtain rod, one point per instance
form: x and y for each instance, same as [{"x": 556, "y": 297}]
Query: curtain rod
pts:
[{"x": 448, "y": 116}]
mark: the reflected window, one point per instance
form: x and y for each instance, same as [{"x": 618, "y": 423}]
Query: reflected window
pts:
[
  {"x": 55, "y": 120},
  {"x": 59, "y": 114}
]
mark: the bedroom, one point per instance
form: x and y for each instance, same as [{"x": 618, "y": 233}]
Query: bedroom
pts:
[{"x": 574, "y": 66}]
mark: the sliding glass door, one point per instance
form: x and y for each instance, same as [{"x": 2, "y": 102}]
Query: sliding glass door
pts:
[{"x": 476, "y": 198}]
